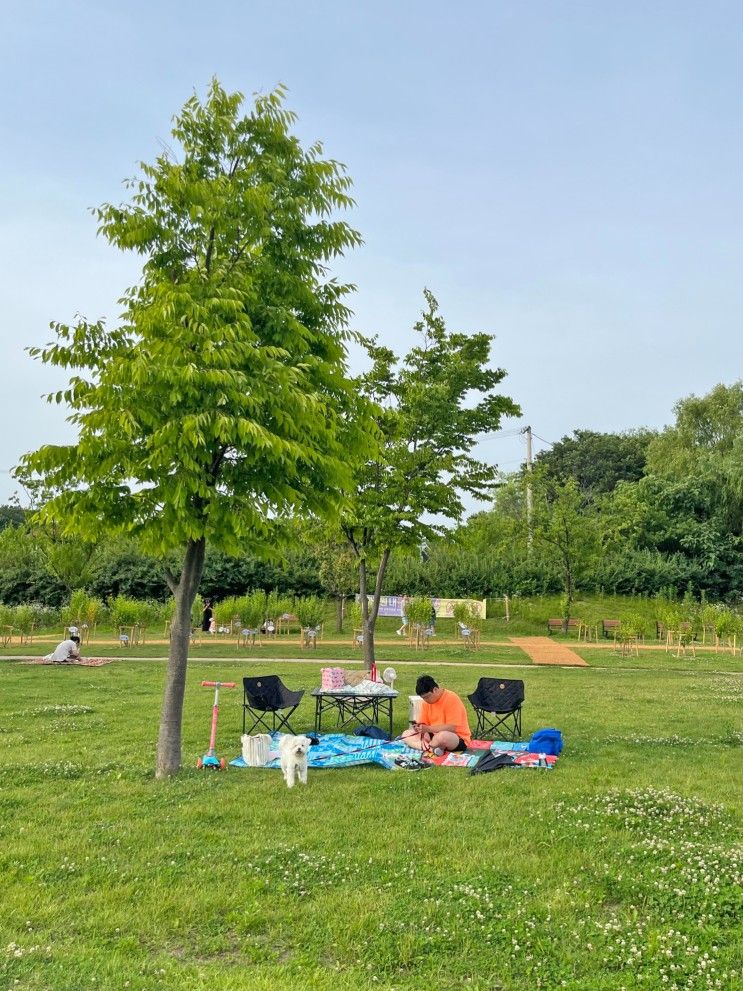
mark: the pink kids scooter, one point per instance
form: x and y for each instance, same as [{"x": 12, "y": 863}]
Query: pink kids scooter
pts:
[{"x": 210, "y": 759}]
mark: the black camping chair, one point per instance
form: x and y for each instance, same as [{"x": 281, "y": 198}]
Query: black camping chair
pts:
[
  {"x": 497, "y": 704},
  {"x": 268, "y": 694}
]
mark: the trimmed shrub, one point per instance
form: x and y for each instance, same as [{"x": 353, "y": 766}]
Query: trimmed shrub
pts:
[
  {"x": 310, "y": 611},
  {"x": 126, "y": 611}
]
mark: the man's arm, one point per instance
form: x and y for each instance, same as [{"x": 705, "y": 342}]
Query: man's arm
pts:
[{"x": 435, "y": 728}]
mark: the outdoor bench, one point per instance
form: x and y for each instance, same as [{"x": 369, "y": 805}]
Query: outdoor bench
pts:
[
  {"x": 610, "y": 626},
  {"x": 558, "y": 625}
]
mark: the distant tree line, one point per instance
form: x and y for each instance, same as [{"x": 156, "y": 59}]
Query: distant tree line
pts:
[
  {"x": 640, "y": 512},
  {"x": 648, "y": 513}
]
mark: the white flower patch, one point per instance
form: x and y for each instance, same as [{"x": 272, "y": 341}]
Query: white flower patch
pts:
[
  {"x": 727, "y": 688},
  {"x": 57, "y": 710}
]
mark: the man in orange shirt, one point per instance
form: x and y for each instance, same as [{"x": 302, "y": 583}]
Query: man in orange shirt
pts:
[{"x": 443, "y": 723}]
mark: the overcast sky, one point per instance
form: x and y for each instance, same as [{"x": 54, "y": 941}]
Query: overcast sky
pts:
[{"x": 567, "y": 176}]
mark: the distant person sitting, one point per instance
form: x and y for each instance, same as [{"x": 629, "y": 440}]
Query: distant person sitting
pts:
[
  {"x": 65, "y": 652},
  {"x": 442, "y": 721}
]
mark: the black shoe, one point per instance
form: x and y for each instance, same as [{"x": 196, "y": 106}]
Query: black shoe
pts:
[{"x": 411, "y": 763}]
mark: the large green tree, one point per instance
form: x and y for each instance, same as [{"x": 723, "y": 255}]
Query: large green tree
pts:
[
  {"x": 219, "y": 402},
  {"x": 433, "y": 405},
  {"x": 11, "y": 515},
  {"x": 706, "y": 444},
  {"x": 596, "y": 461},
  {"x": 690, "y": 502}
]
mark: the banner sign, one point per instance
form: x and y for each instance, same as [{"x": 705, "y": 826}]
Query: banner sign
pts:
[{"x": 391, "y": 605}]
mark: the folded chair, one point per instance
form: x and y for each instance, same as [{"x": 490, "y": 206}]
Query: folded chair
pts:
[
  {"x": 266, "y": 695},
  {"x": 497, "y": 704}
]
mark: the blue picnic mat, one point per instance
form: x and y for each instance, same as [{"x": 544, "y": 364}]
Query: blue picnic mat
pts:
[{"x": 340, "y": 750}]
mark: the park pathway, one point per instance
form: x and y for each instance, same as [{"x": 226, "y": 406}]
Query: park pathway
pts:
[{"x": 544, "y": 650}]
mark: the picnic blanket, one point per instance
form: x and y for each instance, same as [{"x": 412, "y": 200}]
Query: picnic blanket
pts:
[
  {"x": 83, "y": 662},
  {"x": 340, "y": 750},
  {"x": 522, "y": 757}
]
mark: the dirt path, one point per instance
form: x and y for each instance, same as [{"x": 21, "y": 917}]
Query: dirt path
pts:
[{"x": 543, "y": 650}]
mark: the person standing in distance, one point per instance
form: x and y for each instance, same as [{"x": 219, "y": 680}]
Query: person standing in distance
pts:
[{"x": 403, "y": 616}]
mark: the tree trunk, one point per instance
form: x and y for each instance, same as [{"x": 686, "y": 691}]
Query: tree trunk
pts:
[
  {"x": 339, "y": 613},
  {"x": 569, "y": 593},
  {"x": 366, "y": 628},
  {"x": 370, "y": 616},
  {"x": 171, "y": 714}
]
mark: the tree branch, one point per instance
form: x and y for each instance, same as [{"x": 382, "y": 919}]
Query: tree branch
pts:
[
  {"x": 170, "y": 579},
  {"x": 209, "y": 250}
]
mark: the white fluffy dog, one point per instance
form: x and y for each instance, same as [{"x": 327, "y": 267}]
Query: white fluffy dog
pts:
[{"x": 293, "y": 751}]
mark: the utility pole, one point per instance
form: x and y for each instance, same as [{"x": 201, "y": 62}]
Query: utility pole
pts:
[{"x": 529, "y": 506}]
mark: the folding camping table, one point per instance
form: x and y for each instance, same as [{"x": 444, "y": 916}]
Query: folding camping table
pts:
[{"x": 352, "y": 708}]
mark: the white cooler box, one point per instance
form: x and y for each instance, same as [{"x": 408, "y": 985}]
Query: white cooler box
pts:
[{"x": 414, "y": 708}]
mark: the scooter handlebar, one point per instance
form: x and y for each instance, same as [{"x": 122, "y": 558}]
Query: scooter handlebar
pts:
[{"x": 219, "y": 684}]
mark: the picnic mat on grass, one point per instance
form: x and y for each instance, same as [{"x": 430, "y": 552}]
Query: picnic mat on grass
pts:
[
  {"x": 522, "y": 757},
  {"x": 86, "y": 662},
  {"x": 339, "y": 750}
]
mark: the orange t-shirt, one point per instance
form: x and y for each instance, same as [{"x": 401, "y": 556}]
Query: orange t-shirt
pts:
[{"x": 449, "y": 709}]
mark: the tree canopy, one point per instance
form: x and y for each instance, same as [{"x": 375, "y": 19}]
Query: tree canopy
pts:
[
  {"x": 666, "y": 508},
  {"x": 596, "y": 461},
  {"x": 434, "y": 403},
  {"x": 219, "y": 402}
]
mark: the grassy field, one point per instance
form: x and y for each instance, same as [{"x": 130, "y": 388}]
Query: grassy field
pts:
[
  {"x": 619, "y": 869},
  {"x": 389, "y": 650}
]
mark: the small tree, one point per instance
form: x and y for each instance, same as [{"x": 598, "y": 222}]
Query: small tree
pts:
[
  {"x": 564, "y": 530},
  {"x": 23, "y": 619},
  {"x": 310, "y": 611},
  {"x": 338, "y": 575},
  {"x": 726, "y": 623},
  {"x": 355, "y": 615},
  {"x": 434, "y": 404},
  {"x": 93, "y": 612},
  {"x": 252, "y": 609},
  {"x": 463, "y": 613},
  {"x": 76, "y": 610},
  {"x": 419, "y": 610},
  {"x": 277, "y": 605},
  {"x": 125, "y": 612},
  {"x": 220, "y": 403}
]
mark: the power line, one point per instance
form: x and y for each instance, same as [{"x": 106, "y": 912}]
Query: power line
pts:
[
  {"x": 550, "y": 442},
  {"x": 503, "y": 434}
]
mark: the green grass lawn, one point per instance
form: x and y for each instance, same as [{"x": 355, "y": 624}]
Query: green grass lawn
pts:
[
  {"x": 445, "y": 649},
  {"x": 619, "y": 869},
  {"x": 659, "y": 660}
]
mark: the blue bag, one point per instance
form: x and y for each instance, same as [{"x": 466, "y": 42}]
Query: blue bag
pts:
[
  {"x": 546, "y": 741},
  {"x": 373, "y": 732}
]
